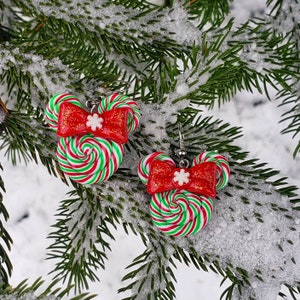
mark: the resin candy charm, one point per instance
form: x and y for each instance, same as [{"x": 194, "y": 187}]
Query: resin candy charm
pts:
[
  {"x": 181, "y": 202},
  {"x": 90, "y": 145}
]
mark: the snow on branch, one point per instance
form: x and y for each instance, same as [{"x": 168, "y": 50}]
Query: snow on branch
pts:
[
  {"x": 46, "y": 75},
  {"x": 98, "y": 16},
  {"x": 244, "y": 52},
  {"x": 79, "y": 242},
  {"x": 285, "y": 15},
  {"x": 254, "y": 233}
]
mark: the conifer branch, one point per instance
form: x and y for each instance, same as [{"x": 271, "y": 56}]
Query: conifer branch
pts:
[
  {"x": 169, "y": 64},
  {"x": 249, "y": 176},
  {"x": 6, "y": 242},
  {"x": 26, "y": 291},
  {"x": 233, "y": 68},
  {"x": 152, "y": 275},
  {"x": 208, "y": 12},
  {"x": 25, "y": 137},
  {"x": 291, "y": 116},
  {"x": 29, "y": 79},
  {"x": 80, "y": 243}
]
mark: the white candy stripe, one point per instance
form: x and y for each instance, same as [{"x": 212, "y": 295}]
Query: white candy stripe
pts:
[
  {"x": 52, "y": 108},
  {"x": 122, "y": 101},
  {"x": 145, "y": 163},
  {"x": 223, "y": 170},
  {"x": 180, "y": 213},
  {"x": 88, "y": 159}
]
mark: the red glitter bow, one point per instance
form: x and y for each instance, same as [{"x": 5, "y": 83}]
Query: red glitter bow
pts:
[
  {"x": 74, "y": 120},
  {"x": 199, "y": 179}
]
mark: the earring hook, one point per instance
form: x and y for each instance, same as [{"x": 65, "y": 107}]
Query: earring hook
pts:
[
  {"x": 181, "y": 153},
  {"x": 91, "y": 104}
]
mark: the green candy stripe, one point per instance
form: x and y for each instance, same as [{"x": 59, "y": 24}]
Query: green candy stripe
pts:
[
  {"x": 223, "y": 169},
  {"x": 180, "y": 213},
  {"x": 107, "y": 103},
  {"x": 88, "y": 159},
  {"x": 145, "y": 164},
  {"x": 52, "y": 108},
  {"x": 122, "y": 101}
]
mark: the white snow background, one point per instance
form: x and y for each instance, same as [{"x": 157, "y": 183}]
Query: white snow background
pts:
[{"x": 32, "y": 197}]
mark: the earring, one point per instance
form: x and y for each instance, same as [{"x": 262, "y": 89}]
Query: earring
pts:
[
  {"x": 182, "y": 196},
  {"x": 90, "y": 146}
]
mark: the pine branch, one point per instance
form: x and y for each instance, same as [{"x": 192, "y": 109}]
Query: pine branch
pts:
[
  {"x": 248, "y": 202},
  {"x": 6, "y": 265},
  {"x": 208, "y": 12},
  {"x": 29, "y": 79},
  {"x": 226, "y": 71},
  {"x": 169, "y": 64},
  {"x": 5, "y": 34},
  {"x": 26, "y": 137},
  {"x": 291, "y": 116},
  {"x": 285, "y": 13},
  {"x": 152, "y": 275},
  {"x": 80, "y": 240},
  {"x": 25, "y": 291},
  {"x": 204, "y": 130},
  {"x": 78, "y": 49},
  {"x": 212, "y": 134}
]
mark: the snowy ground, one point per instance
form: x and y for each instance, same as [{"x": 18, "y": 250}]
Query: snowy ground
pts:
[{"x": 33, "y": 196}]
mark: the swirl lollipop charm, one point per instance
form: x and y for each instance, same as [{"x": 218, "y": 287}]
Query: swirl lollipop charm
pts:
[
  {"x": 90, "y": 145},
  {"x": 181, "y": 202}
]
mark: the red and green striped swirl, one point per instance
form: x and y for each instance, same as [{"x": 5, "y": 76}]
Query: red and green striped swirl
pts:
[
  {"x": 223, "y": 170},
  {"x": 145, "y": 163},
  {"x": 180, "y": 213},
  {"x": 88, "y": 159},
  {"x": 52, "y": 108},
  {"x": 122, "y": 101}
]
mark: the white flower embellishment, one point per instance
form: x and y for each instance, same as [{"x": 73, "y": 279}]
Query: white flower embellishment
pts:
[
  {"x": 181, "y": 177},
  {"x": 94, "y": 121}
]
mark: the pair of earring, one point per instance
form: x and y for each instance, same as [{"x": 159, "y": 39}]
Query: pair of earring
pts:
[{"x": 91, "y": 148}]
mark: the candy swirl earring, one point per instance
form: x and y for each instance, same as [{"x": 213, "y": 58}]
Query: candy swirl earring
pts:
[
  {"x": 90, "y": 145},
  {"x": 181, "y": 202}
]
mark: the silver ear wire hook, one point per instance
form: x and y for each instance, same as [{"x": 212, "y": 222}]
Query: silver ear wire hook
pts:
[
  {"x": 181, "y": 153},
  {"x": 91, "y": 105}
]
